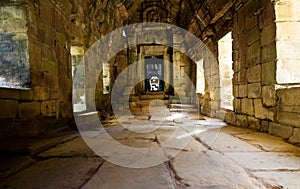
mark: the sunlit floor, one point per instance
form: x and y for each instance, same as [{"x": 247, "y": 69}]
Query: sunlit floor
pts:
[{"x": 168, "y": 150}]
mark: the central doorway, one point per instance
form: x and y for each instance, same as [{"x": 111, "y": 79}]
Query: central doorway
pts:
[{"x": 154, "y": 72}]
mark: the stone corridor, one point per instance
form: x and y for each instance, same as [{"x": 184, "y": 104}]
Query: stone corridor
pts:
[
  {"x": 135, "y": 94},
  {"x": 222, "y": 156}
]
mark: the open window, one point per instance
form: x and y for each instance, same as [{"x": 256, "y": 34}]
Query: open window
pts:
[
  {"x": 287, "y": 43},
  {"x": 106, "y": 78},
  {"x": 226, "y": 72},
  {"x": 78, "y": 70},
  {"x": 200, "y": 81},
  {"x": 14, "y": 52}
]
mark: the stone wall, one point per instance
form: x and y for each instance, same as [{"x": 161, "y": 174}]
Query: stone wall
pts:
[
  {"x": 258, "y": 54},
  {"x": 47, "y": 103}
]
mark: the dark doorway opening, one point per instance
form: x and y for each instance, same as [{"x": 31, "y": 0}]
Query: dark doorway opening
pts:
[{"x": 154, "y": 72}]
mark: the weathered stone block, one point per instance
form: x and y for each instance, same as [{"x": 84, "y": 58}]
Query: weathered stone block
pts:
[
  {"x": 289, "y": 118},
  {"x": 253, "y": 54},
  {"x": 241, "y": 120},
  {"x": 41, "y": 93},
  {"x": 237, "y": 105},
  {"x": 268, "y": 52},
  {"x": 264, "y": 126},
  {"x": 267, "y": 16},
  {"x": 262, "y": 112},
  {"x": 230, "y": 117},
  {"x": 296, "y": 136},
  {"x": 253, "y": 35},
  {"x": 269, "y": 95},
  {"x": 254, "y": 74},
  {"x": 243, "y": 90},
  {"x": 294, "y": 109},
  {"x": 247, "y": 106},
  {"x": 254, "y": 123},
  {"x": 268, "y": 34},
  {"x": 250, "y": 22},
  {"x": 254, "y": 90},
  {"x": 29, "y": 110},
  {"x": 9, "y": 108},
  {"x": 242, "y": 77},
  {"x": 49, "y": 108},
  {"x": 269, "y": 73},
  {"x": 280, "y": 130},
  {"x": 289, "y": 97}
]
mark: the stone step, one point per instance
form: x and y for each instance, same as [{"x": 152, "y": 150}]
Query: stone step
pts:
[
  {"x": 153, "y": 96},
  {"x": 147, "y": 103},
  {"x": 182, "y": 106},
  {"x": 193, "y": 110}
]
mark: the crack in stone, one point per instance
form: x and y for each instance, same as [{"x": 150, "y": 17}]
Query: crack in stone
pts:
[
  {"x": 178, "y": 181},
  {"x": 91, "y": 173}
]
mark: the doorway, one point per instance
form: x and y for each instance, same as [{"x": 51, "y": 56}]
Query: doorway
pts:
[{"x": 154, "y": 73}]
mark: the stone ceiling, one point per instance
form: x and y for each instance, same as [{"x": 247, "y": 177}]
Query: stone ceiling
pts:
[{"x": 200, "y": 17}]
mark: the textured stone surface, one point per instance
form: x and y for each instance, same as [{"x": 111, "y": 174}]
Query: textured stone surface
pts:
[
  {"x": 211, "y": 169},
  {"x": 113, "y": 176},
  {"x": 280, "y": 130},
  {"x": 265, "y": 160},
  {"x": 44, "y": 174}
]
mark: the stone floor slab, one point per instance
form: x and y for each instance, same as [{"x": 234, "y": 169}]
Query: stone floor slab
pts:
[
  {"x": 282, "y": 179},
  {"x": 211, "y": 170},
  {"x": 228, "y": 143},
  {"x": 112, "y": 176},
  {"x": 74, "y": 148},
  {"x": 54, "y": 173},
  {"x": 265, "y": 160},
  {"x": 268, "y": 142}
]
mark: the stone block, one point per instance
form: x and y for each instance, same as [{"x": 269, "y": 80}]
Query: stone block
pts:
[
  {"x": 49, "y": 108},
  {"x": 237, "y": 105},
  {"x": 264, "y": 126},
  {"x": 254, "y": 74},
  {"x": 254, "y": 90},
  {"x": 269, "y": 95},
  {"x": 247, "y": 106},
  {"x": 262, "y": 112},
  {"x": 9, "y": 108},
  {"x": 267, "y": 16},
  {"x": 241, "y": 120},
  {"x": 28, "y": 110},
  {"x": 268, "y": 52},
  {"x": 230, "y": 117},
  {"x": 268, "y": 34},
  {"x": 253, "y": 35},
  {"x": 280, "y": 130},
  {"x": 254, "y": 123},
  {"x": 41, "y": 93},
  {"x": 289, "y": 97},
  {"x": 250, "y": 22},
  {"x": 253, "y": 54},
  {"x": 295, "y": 138},
  {"x": 243, "y": 90},
  {"x": 289, "y": 118},
  {"x": 242, "y": 77},
  {"x": 269, "y": 73},
  {"x": 294, "y": 109},
  {"x": 235, "y": 91}
]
